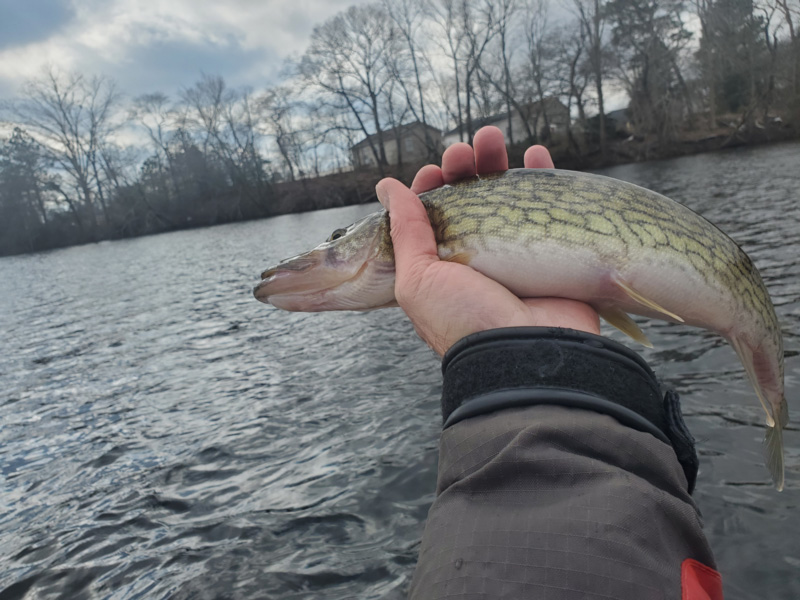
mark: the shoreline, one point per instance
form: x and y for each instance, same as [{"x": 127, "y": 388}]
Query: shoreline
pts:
[
  {"x": 636, "y": 150},
  {"x": 358, "y": 186},
  {"x": 620, "y": 152}
]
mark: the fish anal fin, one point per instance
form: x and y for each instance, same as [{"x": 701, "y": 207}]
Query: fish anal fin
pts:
[
  {"x": 622, "y": 321},
  {"x": 630, "y": 291}
]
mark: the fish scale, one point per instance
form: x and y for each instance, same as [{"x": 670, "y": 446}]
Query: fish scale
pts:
[{"x": 546, "y": 232}]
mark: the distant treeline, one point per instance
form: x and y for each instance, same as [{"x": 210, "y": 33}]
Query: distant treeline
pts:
[{"x": 81, "y": 163}]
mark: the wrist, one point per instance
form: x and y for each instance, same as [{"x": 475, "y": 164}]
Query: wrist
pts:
[{"x": 523, "y": 366}]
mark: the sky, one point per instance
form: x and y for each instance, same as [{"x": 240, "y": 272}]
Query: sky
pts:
[{"x": 156, "y": 45}]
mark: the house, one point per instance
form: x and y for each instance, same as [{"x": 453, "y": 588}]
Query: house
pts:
[
  {"x": 533, "y": 113},
  {"x": 619, "y": 121},
  {"x": 405, "y": 144}
]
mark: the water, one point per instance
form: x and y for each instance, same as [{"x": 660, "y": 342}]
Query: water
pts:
[{"x": 166, "y": 436}]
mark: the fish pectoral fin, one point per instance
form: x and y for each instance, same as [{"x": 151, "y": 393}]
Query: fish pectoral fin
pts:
[
  {"x": 622, "y": 321},
  {"x": 645, "y": 301},
  {"x": 462, "y": 258},
  {"x": 390, "y": 304}
]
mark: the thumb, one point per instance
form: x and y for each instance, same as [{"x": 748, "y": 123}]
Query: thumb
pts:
[{"x": 412, "y": 235}]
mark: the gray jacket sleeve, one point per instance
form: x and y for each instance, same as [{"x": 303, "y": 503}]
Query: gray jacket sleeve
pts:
[{"x": 567, "y": 498}]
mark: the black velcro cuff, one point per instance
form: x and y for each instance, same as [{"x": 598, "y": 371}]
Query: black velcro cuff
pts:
[{"x": 523, "y": 366}]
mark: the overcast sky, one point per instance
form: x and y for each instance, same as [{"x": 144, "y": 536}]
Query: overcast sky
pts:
[{"x": 156, "y": 45}]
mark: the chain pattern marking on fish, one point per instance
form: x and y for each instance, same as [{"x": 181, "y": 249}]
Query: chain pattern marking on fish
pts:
[{"x": 530, "y": 205}]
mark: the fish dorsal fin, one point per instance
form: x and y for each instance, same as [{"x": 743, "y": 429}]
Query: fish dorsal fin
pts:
[
  {"x": 622, "y": 321},
  {"x": 645, "y": 301}
]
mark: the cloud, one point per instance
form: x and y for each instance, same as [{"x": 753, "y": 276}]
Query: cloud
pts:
[
  {"x": 31, "y": 21},
  {"x": 150, "y": 44},
  {"x": 164, "y": 65}
]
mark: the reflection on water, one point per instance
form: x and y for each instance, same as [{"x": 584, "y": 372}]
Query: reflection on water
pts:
[{"x": 165, "y": 435}]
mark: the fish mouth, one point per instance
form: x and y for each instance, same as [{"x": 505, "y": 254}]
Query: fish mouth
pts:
[{"x": 304, "y": 276}]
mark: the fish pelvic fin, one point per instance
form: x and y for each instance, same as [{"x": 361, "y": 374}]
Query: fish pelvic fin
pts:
[
  {"x": 645, "y": 301},
  {"x": 622, "y": 321}
]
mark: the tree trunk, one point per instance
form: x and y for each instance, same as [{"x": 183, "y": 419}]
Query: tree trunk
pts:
[{"x": 597, "y": 63}]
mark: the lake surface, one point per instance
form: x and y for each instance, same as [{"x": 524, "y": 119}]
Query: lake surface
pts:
[{"x": 164, "y": 435}]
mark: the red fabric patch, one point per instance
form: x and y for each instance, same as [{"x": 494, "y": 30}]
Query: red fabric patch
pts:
[{"x": 699, "y": 582}]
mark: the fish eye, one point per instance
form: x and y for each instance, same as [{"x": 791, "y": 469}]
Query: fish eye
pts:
[{"x": 337, "y": 234}]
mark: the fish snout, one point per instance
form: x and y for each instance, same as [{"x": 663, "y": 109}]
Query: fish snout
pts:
[
  {"x": 296, "y": 264},
  {"x": 303, "y": 274}
]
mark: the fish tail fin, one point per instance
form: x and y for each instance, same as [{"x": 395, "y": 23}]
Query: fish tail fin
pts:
[
  {"x": 773, "y": 445},
  {"x": 762, "y": 373},
  {"x": 774, "y": 454},
  {"x": 783, "y": 414}
]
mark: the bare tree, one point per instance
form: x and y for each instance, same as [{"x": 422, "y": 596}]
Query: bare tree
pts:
[
  {"x": 348, "y": 59},
  {"x": 276, "y": 107},
  {"x": 592, "y": 16},
  {"x": 649, "y": 37},
  {"x": 707, "y": 55},
  {"x": 480, "y": 26},
  {"x": 23, "y": 193},
  {"x": 738, "y": 56},
  {"x": 522, "y": 88},
  {"x": 778, "y": 19},
  {"x": 790, "y": 10},
  {"x": 571, "y": 50},
  {"x": 445, "y": 14},
  {"x": 770, "y": 37},
  {"x": 496, "y": 67},
  {"x": 228, "y": 124},
  {"x": 507, "y": 10},
  {"x": 73, "y": 117},
  {"x": 412, "y": 62},
  {"x": 155, "y": 113},
  {"x": 539, "y": 46},
  {"x": 469, "y": 26}
]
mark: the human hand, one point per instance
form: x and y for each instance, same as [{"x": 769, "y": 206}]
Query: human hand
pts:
[{"x": 447, "y": 301}]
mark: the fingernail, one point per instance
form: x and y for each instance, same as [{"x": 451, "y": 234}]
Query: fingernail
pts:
[{"x": 383, "y": 195}]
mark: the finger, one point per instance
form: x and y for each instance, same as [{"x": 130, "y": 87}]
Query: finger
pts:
[
  {"x": 490, "y": 151},
  {"x": 428, "y": 177},
  {"x": 458, "y": 162},
  {"x": 538, "y": 157},
  {"x": 412, "y": 235}
]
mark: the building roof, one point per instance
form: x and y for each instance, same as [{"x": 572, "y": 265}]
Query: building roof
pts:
[
  {"x": 479, "y": 122},
  {"x": 620, "y": 115},
  {"x": 390, "y": 134},
  {"x": 482, "y": 122}
]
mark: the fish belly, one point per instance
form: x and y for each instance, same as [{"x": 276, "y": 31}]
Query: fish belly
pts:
[{"x": 550, "y": 269}]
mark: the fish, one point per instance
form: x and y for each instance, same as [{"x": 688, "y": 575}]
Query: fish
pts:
[{"x": 618, "y": 247}]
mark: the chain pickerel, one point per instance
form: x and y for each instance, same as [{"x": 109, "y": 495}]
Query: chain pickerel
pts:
[{"x": 539, "y": 232}]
